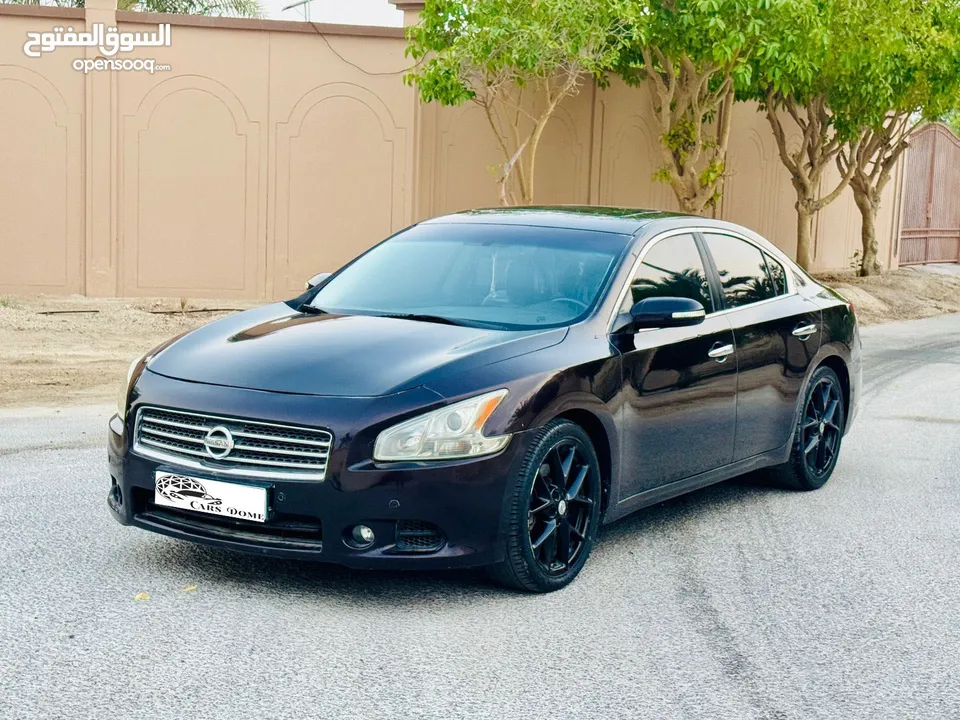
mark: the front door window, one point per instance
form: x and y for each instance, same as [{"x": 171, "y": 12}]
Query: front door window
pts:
[{"x": 671, "y": 268}]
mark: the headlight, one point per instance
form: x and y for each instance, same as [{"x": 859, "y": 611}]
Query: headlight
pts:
[
  {"x": 123, "y": 399},
  {"x": 124, "y": 396},
  {"x": 455, "y": 431}
]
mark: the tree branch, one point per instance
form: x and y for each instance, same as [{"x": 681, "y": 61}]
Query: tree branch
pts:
[{"x": 825, "y": 200}]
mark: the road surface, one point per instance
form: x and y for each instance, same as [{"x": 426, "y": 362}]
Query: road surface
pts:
[{"x": 735, "y": 602}]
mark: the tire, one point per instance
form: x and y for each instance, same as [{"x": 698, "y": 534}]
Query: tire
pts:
[
  {"x": 552, "y": 513},
  {"x": 817, "y": 437}
]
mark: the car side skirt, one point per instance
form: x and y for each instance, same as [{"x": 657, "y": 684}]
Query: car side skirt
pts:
[{"x": 696, "y": 482}]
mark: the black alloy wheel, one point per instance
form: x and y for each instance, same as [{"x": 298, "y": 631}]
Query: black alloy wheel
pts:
[
  {"x": 821, "y": 428},
  {"x": 818, "y": 435},
  {"x": 554, "y": 511},
  {"x": 560, "y": 507}
]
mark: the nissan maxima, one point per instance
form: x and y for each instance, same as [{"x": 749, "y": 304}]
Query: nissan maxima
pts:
[{"x": 488, "y": 388}]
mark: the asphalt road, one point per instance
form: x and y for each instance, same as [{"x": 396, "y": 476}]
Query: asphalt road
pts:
[{"x": 735, "y": 602}]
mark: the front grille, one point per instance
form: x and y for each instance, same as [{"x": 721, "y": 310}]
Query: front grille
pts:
[
  {"x": 259, "y": 449},
  {"x": 418, "y": 536}
]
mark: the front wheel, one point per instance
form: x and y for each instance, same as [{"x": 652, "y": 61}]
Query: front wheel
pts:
[
  {"x": 817, "y": 437},
  {"x": 553, "y": 512}
]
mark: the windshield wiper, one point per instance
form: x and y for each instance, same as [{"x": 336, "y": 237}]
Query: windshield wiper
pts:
[
  {"x": 311, "y": 310},
  {"x": 424, "y": 318}
]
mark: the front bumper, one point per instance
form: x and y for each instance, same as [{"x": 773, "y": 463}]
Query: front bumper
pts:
[{"x": 462, "y": 500}]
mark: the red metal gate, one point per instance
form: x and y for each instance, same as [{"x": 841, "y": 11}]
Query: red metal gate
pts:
[{"x": 931, "y": 200}]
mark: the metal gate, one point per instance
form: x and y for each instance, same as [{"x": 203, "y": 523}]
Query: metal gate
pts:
[{"x": 931, "y": 201}]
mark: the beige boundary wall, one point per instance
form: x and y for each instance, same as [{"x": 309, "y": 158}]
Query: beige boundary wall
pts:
[{"x": 274, "y": 150}]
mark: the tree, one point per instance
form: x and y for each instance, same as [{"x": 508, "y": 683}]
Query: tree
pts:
[
  {"x": 952, "y": 120},
  {"x": 806, "y": 75},
  {"x": 223, "y": 8},
  {"x": 517, "y": 60},
  {"x": 692, "y": 55},
  {"x": 913, "y": 50}
]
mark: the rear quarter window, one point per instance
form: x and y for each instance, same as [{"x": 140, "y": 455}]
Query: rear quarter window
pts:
[{"x": 778, "y": 276}]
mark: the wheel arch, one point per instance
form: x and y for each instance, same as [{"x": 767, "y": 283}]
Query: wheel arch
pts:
[
  {"x": 595, "y": 429},
  {"x": 827, "y": 357},
  {"x": 591, "y": 414},
  {"x": 837, "y": 364}
]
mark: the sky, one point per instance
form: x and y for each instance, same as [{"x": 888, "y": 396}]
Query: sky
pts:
[{"x": 353, "y": 12}]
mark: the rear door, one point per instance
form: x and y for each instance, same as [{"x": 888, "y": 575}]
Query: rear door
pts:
[
  {"x": 777, "y": 334},
  {"x": 678, "y": 398}
]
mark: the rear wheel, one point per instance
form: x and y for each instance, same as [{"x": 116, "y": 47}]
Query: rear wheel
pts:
[
  {"x": 818, "y": 435},
  {"x": 553, "y": 513}
]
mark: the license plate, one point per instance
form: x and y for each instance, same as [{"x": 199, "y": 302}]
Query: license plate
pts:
[{"x": 229, "y": 500}]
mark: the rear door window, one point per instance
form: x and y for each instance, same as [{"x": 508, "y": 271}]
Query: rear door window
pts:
[{"x": 742, "y": 269}]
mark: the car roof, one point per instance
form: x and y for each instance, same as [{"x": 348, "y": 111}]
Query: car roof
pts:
[{"x": 625, "y": 221}]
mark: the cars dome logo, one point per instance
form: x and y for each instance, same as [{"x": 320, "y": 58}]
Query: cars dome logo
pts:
[{"x": 177, "y": 487}]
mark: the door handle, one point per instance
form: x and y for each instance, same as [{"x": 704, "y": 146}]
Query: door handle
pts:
[
  {"x": 805, "y": 331},
  {"x": 720, "y": 352}
]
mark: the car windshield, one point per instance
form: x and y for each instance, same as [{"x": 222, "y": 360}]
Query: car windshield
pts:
[{"x": 503, "y": 276}]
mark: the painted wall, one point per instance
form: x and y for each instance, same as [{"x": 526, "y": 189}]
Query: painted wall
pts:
[
  {"x": 274, "y": 150},
  {"x": 601, "y": 148}
]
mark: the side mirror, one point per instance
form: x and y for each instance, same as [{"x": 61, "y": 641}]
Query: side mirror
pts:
[
  {"x": 664, "y": 312},
  {"x": 316, "y": 280}
]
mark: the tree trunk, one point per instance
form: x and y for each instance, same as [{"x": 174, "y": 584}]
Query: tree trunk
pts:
[
  {"x": 868, "y": 234},
  {"x": 804, "y": 223}
]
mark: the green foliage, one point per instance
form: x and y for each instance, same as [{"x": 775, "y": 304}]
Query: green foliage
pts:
[
  {"x": 902, "y": 65},
  {"x": 792, "y": 52},
  {"x": 220, "y": 8},
  {"x": 662, "y": 174},
  {"x": 466, "y": 46},
  {"x": 848, "y": 75},
  {"x": 864, "y": 58},
  {"x": 517, "y": 59},
  {"x": 901, "y": 57},
  {"x": 681, "y": 139},
  {"x": 952, "y": 120},
  {"x": 720, "y": 33},
  {"x": 693, "y": 55},
  {"x": 711, "y": 175}
]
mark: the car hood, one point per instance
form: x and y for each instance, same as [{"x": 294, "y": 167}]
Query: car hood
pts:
[{"x": 277, "y": 349}]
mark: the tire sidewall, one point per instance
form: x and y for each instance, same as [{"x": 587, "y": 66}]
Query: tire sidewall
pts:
[
  {"x": 517, "y": 536},
  {"x": 810, "y": 480}
]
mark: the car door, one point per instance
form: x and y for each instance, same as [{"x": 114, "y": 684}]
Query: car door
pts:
[
  {"x": 678, "y": 410},
  {"x": 777, "y": 334}
]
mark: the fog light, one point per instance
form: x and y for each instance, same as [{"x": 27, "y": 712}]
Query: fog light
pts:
[
  {"x": 363, "y": 536},
  {"x": 115, "y": 498}
]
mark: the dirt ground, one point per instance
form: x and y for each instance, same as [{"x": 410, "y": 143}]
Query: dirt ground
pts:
[
  {"x": 81, "y": 356},
  {"x": 905, "y": 294},
  {"x": 70, "y": 351}
]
